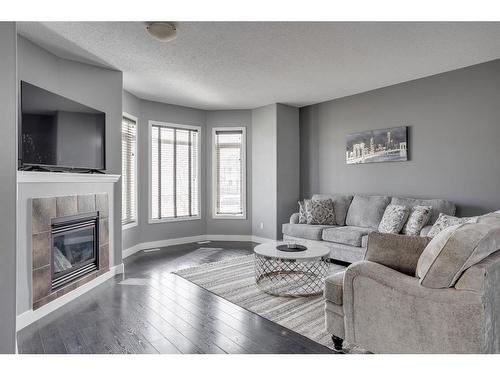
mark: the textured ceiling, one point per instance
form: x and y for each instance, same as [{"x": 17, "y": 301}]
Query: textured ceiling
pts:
[{"x": 223, "y": 65}]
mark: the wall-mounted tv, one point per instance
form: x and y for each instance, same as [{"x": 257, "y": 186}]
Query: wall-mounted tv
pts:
[{"x": 57, "y": 133}]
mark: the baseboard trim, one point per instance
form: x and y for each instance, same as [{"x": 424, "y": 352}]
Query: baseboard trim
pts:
[
  {"x": 261, "y": 239},
  {"x": 31, "y": 316},
  {"x": 131, "y": 251},
  {"x": 231, "y": 237},
  {"x": 182, "y": 240},
  {"x": 228, "y": 237},
  {"x": 161, "y": 243}
]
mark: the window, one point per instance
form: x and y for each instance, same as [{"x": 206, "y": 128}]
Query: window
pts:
[
  {"x": 228, "y": 173},
  {"x": 175, "y": 182},
  {"x": 129, "y": 171}
]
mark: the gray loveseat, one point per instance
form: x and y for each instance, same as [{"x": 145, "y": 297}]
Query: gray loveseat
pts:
[
  {"x": 417, "y": 295},
  {"x": 356, "y": 217}
]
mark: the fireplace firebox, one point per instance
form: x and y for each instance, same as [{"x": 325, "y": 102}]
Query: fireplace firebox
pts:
[{"x": 75, "y": 247}]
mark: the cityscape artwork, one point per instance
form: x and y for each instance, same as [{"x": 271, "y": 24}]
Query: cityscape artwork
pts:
[{"x": 376, "y": 146}]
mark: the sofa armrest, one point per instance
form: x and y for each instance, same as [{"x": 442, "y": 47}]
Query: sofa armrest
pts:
[
  {"x": 294, "y": 219},
  {"x": 395, "y": 251},
  {"x": 481, "y": 275},
  {"x": 408, "y": 285}
]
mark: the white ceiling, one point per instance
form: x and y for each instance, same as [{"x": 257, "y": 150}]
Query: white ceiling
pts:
[{"x": 226, "y": 65}]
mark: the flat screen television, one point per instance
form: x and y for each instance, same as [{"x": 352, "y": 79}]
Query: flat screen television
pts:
[{"x": 58, "y": 133}]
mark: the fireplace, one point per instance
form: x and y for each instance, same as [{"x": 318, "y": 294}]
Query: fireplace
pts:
[
  {"x": 70, "y": 244},
  {"x": 74, "y": 248}
]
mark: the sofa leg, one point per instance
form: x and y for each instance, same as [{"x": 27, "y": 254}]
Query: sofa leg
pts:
[{"x": 337, "y": 343}]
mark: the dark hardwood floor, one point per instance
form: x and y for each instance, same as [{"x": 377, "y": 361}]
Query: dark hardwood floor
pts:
[{"x": 150, "y": 310}]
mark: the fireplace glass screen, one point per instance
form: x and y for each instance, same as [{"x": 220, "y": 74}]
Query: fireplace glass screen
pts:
[{"x": 74, "y": 248}]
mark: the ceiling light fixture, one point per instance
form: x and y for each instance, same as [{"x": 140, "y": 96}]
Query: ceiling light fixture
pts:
[{"x": 162, "y": 31}]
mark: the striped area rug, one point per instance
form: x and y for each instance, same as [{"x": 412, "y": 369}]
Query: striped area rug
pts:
[{"x": 234, "y": 280}]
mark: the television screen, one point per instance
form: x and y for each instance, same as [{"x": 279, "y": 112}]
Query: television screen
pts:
[{"x": 58, "y": 132}]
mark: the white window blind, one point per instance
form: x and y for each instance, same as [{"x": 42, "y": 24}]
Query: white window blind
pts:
[
  {"x": 174, "y": 172},
  {"x": 229, "y": 172},
  {"x": 129, "y": 183}
]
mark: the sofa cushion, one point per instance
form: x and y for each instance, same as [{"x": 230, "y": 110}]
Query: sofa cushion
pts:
[
  {"x": 366, "y": 211},
  {"x": 320, "y": 212},
  {"x": 310, "y": 232},
  {"x": 394, "y": 218},
  {"x": 345, "y": 253},
  {"x": 419, "y": 216},
  {"x": 348, "y": 235},
  {"x": 341, "y": 204},
  {"x": 333, "y": 288},
  {"x": 457, "y": 248},
  {"x": 438, "y": 206}
]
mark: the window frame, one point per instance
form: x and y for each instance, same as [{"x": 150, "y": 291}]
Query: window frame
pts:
[
  {"x": 150, "y": 175},
  {"x": 243, "y": 215},
  {"x": 136, "y": 174}
]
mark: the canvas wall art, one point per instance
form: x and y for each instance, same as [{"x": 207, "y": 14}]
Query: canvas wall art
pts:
[{"x": 376, "y": 146}]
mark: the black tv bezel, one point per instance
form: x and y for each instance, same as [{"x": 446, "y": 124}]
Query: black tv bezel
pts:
[{"x": 52, "y": 167}]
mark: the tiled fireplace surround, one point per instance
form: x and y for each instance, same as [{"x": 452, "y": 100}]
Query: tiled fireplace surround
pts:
[{"x": 45, "y": 209}]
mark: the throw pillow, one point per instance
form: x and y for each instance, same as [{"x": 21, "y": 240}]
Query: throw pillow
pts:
[
  {"x": 455, "y": 249},
  {"x": 302, "y": 212},
  {"x": 419, "y": 216},
  {"x": 394, "y": 218},
  {"x": 445, "y": 221},
  {"x": 401, "y": 253},
  {"x": 320, "y": 212}
]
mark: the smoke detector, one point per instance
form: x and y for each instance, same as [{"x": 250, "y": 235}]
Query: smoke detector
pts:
[{"x": 162, "y": 31}]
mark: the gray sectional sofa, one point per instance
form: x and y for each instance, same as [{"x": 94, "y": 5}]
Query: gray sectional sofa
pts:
[{"x": 356, "y": 217}]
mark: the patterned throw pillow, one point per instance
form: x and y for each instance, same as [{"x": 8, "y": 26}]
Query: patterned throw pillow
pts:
[
  {"x": 320, "y": 212},
  {"x": 302, "y": 212},
  {"x": 445, "y": 221},
  {"x": 419, "y": 216},
  {"x": 394, "y": 218}
]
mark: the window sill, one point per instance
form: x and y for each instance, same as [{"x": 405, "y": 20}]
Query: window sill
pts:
[
  {"x": 173, "y": 219},
  {"x": 229, "y": 217},
  {"x": 130, "y": 225}
]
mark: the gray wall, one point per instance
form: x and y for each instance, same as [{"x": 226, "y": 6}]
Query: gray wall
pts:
[
  {"x": 131, "y": 105},
  {"x": 147, "y": 111},
  {"x": 238, "y": 118},
  {"x": 309, "y": 145},
  {"x": 288, "y": 161},
  {"x": 454, "y": 121},
  {"x": 8, "y": 167},
  {"x": 275, "y": 168},
  {"x": 93, "y": 86},
  {"x": 264, "y": 186}
]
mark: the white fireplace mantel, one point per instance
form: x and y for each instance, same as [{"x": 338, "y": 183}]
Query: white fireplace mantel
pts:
[{"x": 61, "y": 177}]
